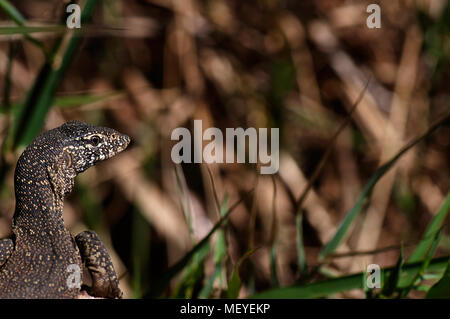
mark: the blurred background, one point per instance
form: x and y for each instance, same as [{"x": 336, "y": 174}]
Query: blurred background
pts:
[{"x": 145, "y": 67}]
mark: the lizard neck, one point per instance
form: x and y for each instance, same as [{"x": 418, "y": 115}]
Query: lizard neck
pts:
[{"x": 39, "y": 201}]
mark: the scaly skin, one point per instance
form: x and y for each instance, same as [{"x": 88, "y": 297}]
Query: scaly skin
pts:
[{"x": 38, "y": 260}]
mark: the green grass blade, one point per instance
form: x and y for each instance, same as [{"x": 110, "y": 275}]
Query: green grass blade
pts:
[
  {"x": 17, "y": 17},
  {"x": 140, "y": 241},
  {"x": 183, "y": 197},
  {"x": 367, "y": 190},
  {"x": 393, "y": 279},
  {"x": 192, "y": 273},
  {"x": 341, "y": 284},
  {"x": 7, "y": 89},
  {"x": 434, "y": 226},
  {"x": 220, "y": 252},
  {"x": 83, "y": 99},
  {"x": 273, "y": 265},
  {"x": 424, "y": 265},
  {"x": 354, "y": 211},
  {"x": 159, "y": 286},
  {"x": 12, "y": 12},
  {"x": 235, "y": 283},
  {"x": 441, "y": 289},
  {"x": 26, "y": 30},
  {"x": 31, "y": 115},
  {"x": 221, "y": 247},
  {"x": 207, "y": 288},
  {"x": 72, "y": 101}
]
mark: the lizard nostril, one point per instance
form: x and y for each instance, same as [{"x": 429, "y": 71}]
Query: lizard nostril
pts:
[{"x": 115, "y": 136}]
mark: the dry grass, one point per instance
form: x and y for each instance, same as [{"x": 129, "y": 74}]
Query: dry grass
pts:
[{"x": 296, "y": 65}]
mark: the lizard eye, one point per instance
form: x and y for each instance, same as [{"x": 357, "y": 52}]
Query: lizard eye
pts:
[{"x": 95, "y": 140}]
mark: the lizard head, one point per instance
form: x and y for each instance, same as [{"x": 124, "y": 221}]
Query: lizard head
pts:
[
  {"x": 85, "y": 145},
  {"x": 58, "y": 155}
]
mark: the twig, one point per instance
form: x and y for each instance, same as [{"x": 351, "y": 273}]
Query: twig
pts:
[{"x": 325, "y": 156}]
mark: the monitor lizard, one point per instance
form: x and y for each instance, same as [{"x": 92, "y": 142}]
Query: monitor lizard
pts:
[{"x": 41, "y": 259}]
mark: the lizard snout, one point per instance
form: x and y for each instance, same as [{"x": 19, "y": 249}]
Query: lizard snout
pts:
[{"x": 123, "y": 141}]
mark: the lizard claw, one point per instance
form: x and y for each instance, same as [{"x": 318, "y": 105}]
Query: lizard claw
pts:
[{"x": 99, "y": 265}]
